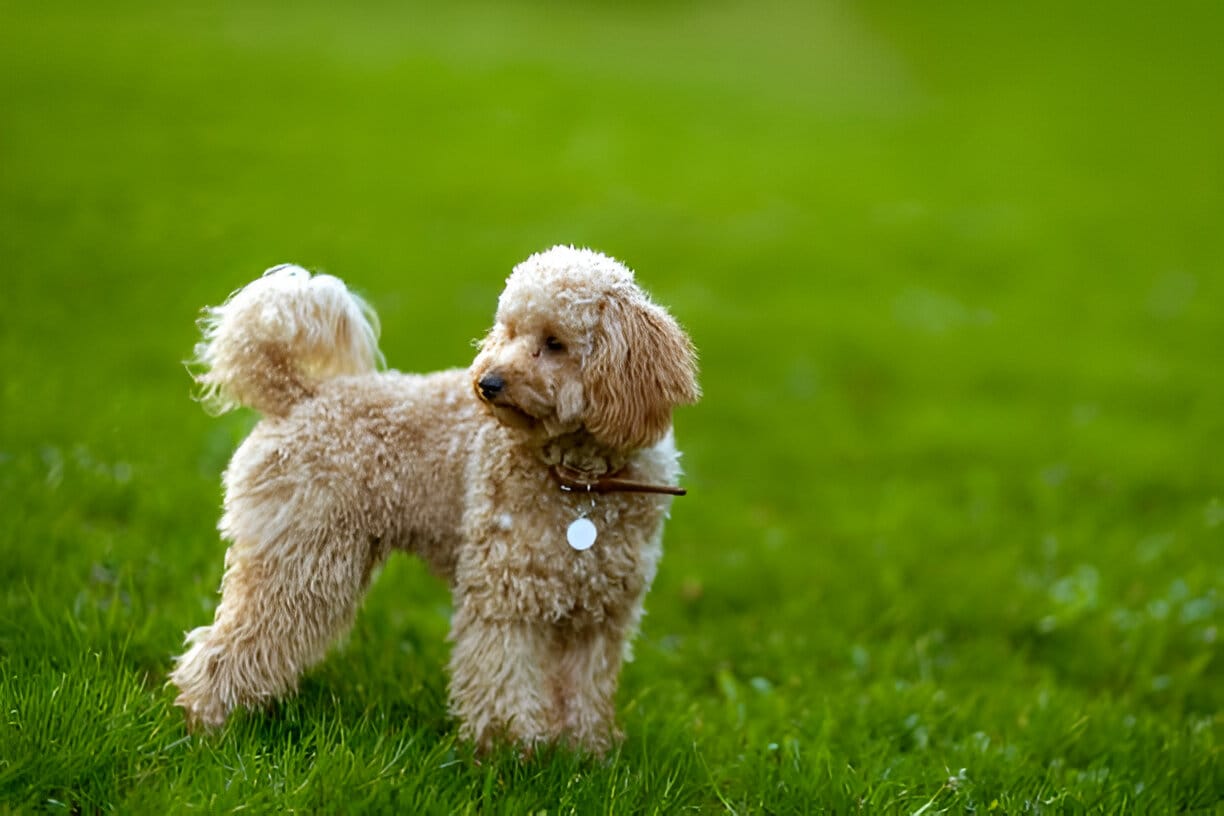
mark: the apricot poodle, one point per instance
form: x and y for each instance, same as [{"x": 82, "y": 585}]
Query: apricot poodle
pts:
[{"x": 536, "y": 483}]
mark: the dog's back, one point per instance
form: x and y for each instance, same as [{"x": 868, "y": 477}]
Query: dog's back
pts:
[{"x": 389, "y": 449}]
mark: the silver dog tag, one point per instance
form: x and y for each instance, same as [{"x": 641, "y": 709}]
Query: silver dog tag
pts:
[{"x": 581, "y": 534}]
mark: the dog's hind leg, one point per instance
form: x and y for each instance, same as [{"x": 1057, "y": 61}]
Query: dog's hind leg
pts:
[{"x": 283, "y": 602}]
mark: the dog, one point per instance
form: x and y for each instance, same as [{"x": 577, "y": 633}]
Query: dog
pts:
[{"x": 536, "y": 483}]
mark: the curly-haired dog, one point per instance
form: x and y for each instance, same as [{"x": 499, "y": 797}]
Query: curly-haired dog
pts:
[{"x": 535, "y": 482}]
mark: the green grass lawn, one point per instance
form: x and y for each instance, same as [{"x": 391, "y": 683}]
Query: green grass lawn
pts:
[{"x": 955, "y": 533}]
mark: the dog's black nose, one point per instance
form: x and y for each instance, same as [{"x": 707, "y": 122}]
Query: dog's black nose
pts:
[{"x": 491, "y": 385}]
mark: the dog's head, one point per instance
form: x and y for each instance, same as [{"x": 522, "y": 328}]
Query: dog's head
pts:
[{"x": 578, "y": 345}]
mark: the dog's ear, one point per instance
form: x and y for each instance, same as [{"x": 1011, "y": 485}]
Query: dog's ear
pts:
[{"x": 641, "y": 366}]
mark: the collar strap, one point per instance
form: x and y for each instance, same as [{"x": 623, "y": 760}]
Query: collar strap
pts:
[{"x": 572, "y": 479}]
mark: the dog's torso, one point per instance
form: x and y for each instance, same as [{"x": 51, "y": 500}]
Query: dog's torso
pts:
[{"x": 420, "y": 465}]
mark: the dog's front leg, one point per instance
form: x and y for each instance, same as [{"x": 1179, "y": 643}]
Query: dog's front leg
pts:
[
  {"x": 584, "y": 670},
  {"x": 497, "y": 690}
]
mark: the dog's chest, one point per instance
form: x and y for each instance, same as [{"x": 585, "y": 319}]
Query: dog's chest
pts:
[{"x": 524, "y": 559}]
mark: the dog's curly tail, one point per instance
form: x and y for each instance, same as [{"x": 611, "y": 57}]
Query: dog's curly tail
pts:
[{"x": 277, "y": 338}]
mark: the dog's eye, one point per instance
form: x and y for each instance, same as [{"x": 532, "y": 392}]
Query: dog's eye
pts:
[{"x": 553, "y": 344}]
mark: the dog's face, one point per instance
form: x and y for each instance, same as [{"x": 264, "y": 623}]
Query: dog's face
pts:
[{"x": 577, "y": 344}]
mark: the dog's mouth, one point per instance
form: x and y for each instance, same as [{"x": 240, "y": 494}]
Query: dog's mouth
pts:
[
  {"x": 512, "y": 416},
  {"x": 504, "y": 411}
]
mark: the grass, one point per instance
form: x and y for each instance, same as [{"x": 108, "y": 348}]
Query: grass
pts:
[{"x": 955, "y": 538}]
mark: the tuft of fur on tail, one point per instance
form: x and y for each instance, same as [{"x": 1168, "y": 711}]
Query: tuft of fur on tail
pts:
[{"x": 278, "y": 337}]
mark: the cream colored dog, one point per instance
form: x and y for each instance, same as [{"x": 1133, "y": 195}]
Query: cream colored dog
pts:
[{"x": 536, "y": 483}]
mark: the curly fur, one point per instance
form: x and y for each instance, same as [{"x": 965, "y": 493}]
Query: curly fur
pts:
[{"x": 348, "y": 464}]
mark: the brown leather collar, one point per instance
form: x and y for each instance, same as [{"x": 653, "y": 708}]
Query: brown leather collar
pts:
[{"x": 572, "y": 479}]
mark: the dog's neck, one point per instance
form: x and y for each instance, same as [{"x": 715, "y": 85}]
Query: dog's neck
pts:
[
  {"x": 578, "y": 451},
  {"x": 579, "y": 464}
]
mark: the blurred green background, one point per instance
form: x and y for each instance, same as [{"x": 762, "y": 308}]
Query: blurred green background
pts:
[{"x": 956, "y": 273}]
